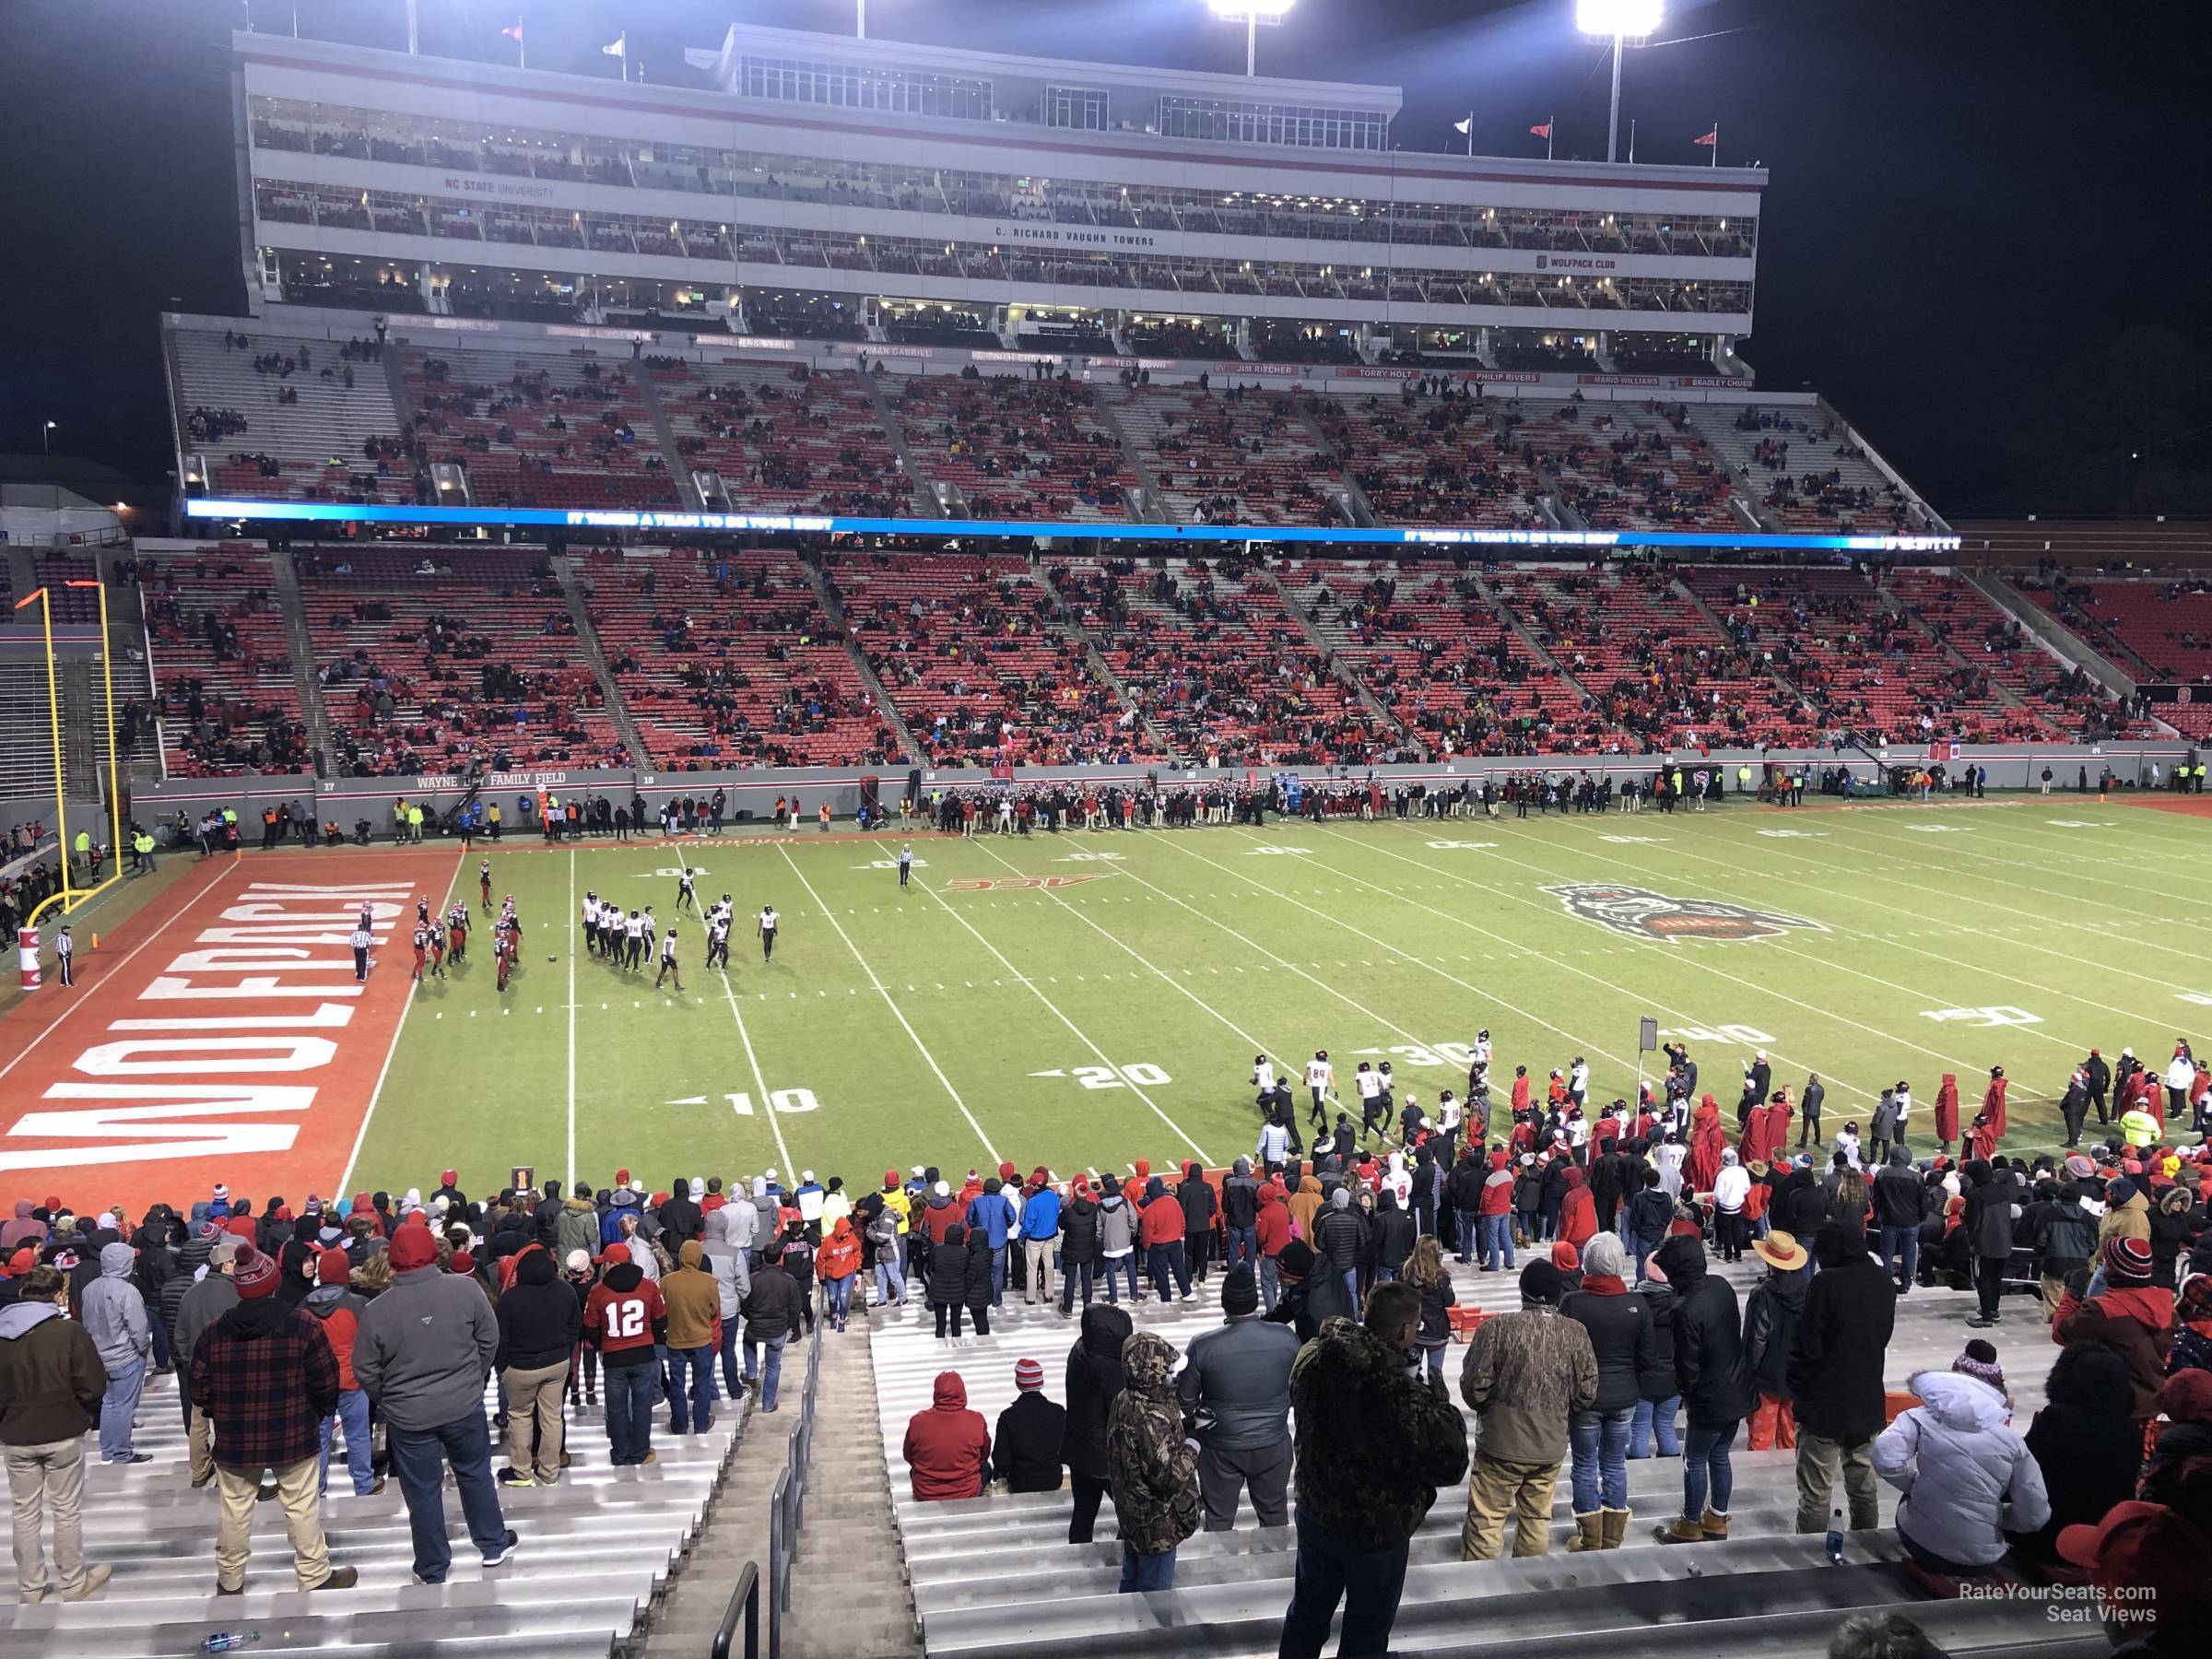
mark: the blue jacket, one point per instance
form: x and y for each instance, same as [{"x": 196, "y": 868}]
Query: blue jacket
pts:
[
  {"x": 994, "y": 1214},
  {"x": 610, "y": 1224},
  {"x": 1040, "y": 1213}
]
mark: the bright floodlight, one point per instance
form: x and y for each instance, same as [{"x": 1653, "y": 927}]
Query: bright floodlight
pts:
[
  {"x": 1613, "y": 18},
  {"x": 1249, "y": 8}
]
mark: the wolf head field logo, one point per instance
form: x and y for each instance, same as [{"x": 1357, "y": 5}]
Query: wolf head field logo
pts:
[{"x": 1643, "y": 914}]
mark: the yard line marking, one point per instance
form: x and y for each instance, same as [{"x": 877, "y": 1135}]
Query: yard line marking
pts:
[
  {"x": 888, "y": 1001},
  {"x": 767, "y": 1103},
  {"x": 1082, "y": 1037},
  {"x": 398, "y": 1029}
]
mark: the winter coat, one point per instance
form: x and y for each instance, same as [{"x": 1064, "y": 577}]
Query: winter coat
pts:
[
  {"x": 773, "y": 1306},
  {"x": 1709, "y": 1339},
  {"x": 946, "y": 1446},
  {"x": 1117, "y": 1226},
  {"x": 576, "y": 1227},
  {"x": 201, "y": 1306},
  {"x": 2134, "y": 1322},
  {"x": 50, "y": 1378},
  {"x": 2170, "y": 1236},
  {"x": 1160, "y": 1220},
  {"x": 114, "y": 1312},
  {"x": 1032, "y": 1432},
  {"x": 1391, "y": 1232},
  {"x": 1655, "y": 1380},
  {"x": 1771, "y": 1316},
  {"x": 340, "y": 1308},
  {"x": 1240, "y": 1198},
  {"x": 1835, "y": 1355},
  {"x": 2090, "y": 1460},
  {"x": 1967, "y": 1479},
  {"x": 2129, "y": 1219},
  {"x": 1271, "y": 1228},
  {"x": 1375, "y": 1440},
  {"x": 1094, "y": 1380},
  {"x": 1988, "y": 1216},
  {"x": 424, "y": 1348},
  {"x": 1235, "y": 1384},
  {"x": 1196, "y": 1196},
  {"x": 948, "y": 1271},
  {"x": 1620, "y": 1337},
  {"x": 1651, "y": 1212},
  {"x": 680, "y": 1219},
  {"x": 1305, "y": 1204},
  {"x": 726, "y": 1259},
  {"x": 265, "y": 1375},
  {"x": 1311, "y": 1302},
  {"x": 1339, "y": 1236},
  {"x": 1151, "y": 1468},
  {"x": 540, "y": 1319},
  {"x": 1079, "y": 1231},
  {"x": 2067, "y": 1235},
  {"x": 977, "y": 1281},
  {"x": 1525, "y": 1375}
]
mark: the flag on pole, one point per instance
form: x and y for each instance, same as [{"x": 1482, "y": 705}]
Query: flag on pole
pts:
[
  {"x": 515, "y": 33},
  {"x": 1545, "y": 131},
  {"x": 1467, "y": 127},
  {"x": 1712, "y": 138},
  {"x": 620, "y": 49}
]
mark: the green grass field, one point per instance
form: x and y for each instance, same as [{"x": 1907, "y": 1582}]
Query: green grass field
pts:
[{"x": 1115, "y": 1017}]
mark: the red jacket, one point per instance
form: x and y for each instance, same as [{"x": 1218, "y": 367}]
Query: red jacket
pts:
[
  {"x": 1160, "y": 1222},
  {"x": 1272, "y": 1224},
  {"x": 1497, "y": 1188},
  {"x": 945, "y": 1445}
]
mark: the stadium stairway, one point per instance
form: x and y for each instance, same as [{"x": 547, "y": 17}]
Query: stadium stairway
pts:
[
  {"x": 997, "y": 1571},
  {"x": 595, "y": 1552},
  {"x": 834, "y": 606},
  {"x": 1359, "y": 688},
  {"x": 285, "y": 576},
  {"x": 595, "y": 655}
]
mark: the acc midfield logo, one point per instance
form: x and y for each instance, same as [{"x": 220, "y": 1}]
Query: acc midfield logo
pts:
[{"x": 1643, "y": 914}]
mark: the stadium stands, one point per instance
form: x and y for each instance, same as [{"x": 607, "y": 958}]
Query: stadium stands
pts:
[
  {"x": 2157, "y": 630},
  {"x": 222, "y": 658},
  {"x": 783, "y": 438},
  {"x": 1228, "y": 456},
  {"x": 1015, "y": 448},
  {"x": 969, "y": 650},
  {"x": 439, "y": 655},
  {"x": 533, "y": 431},
  {"x": 285, "y": 419},
  {"x": 1805, "y": 476},
  {"x": 730, "y": 659},
  {"x": 1213, "y": 658}
]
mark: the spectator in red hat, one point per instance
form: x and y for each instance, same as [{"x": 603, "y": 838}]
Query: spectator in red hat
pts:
[
  {"x": 266, "y": 1378},
  {"x": 2127, "y": 1315},
  {"x": 1032, "y": 1432},
  {"x": 423, "y": 1352},
  {"x": 2147, "y": 1563}
]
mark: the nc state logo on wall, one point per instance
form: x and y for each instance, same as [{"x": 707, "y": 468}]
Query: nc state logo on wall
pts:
[{"x": 1643, "y": 914}]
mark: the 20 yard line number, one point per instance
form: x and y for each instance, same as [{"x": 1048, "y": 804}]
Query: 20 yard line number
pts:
[{"x": 1141, "y": 1073}]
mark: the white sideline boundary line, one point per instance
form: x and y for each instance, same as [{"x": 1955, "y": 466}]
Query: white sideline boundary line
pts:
[
  {"x": 1081, "y": 1036},
  {"x": 129, "y": 957},
  {"x": 922, "y": 1048},
  {"x": 361, "y": 1135},
  {"x": 570, "y": 1168}
]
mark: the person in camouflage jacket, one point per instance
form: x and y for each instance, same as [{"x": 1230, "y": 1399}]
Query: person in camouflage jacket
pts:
[{"x": 1152, "y": 1469}]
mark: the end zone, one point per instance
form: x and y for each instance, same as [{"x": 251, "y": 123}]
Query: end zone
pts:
[{"x": 233, "y": 1030}]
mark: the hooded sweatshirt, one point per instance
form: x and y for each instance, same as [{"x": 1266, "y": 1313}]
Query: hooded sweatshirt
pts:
[
  {"x": 112, "y": 1311},
  {"x": 26, "y": 1228},
  {"x": 693, "y": 1299},
  {"x": 576, "y": 1227},
  {"x": 1117, "y": 1226},
  {"x": 946, "y": 1446},
  {"x": 1966, "y": 1477},
  {"x": 725, "y": 1258},
  {"x": 539, "y": 1318},
  {"x": 1152, "y": 1468},
  {"x": 1094, "y": 1379}
]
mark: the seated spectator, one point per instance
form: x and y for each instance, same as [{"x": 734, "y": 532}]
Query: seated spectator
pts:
[
  {"x": 2087, "y": 1444},
  {"x": 1031, "y": 1434},
  {"x": 947, "y": 1448},
  {"x": 1967, "y": 1479}
]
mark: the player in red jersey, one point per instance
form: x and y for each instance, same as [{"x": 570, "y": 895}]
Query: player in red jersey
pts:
[
  {"x": 484, "y": 882},
  {"x": 422, "y": 944}
]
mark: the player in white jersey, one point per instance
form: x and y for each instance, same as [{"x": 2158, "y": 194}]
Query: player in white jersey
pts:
[
  {"x": 634, "y": 929},
  {"x": 590, "y": 909},
  {"x": 718, "y": 940},
  {"x": 684, "y": 895},
  {"x": 668, "y": 964},
  {"x": 766, "y": 930},
  {"x": 1321, "y": 1080},
  {"x": 1373, "y": 1114}
]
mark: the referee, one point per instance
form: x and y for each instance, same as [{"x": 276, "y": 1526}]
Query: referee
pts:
[
  {"x": 65, "y": 953},
  {"x": 361, "y": 953}
]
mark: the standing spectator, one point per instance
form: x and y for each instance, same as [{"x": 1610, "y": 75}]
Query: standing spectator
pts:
[
  {"x": 1375, "y": 1441},
  {"x": 1239, "y": 1214},
  {"x": 693, "y": 1302},
  {"x": 540, "y": 1322},
  {"x": 1526, "y": 1373},
  {"x": 339, "y": 1306},
  {"x": 1151, "y": 1468},
  {"x": 1032, "y": 1434},
  {"x": 113, "y": 1314},
  {"x": 1196, "y": 1194},
  {"x": 1039, "y": 1229},
  {"x": 1900, "y": 1204},
  {"x": 1835, "y": 1377},
  {"x": 1966, "y": 1477},
  {"x": 1771, "y": 1315},
  {"x": 1094, "y": 1382},
  {"x": 202, "y": 1304},
  {"x": 424, "y": 1349},
  {"x": 1426, "y": 1272},
  {"x": 1623, "y": 1343},
  {"x": 1235, "y": 1384},
  {"x": 1160, "y": 1229},
  {"x": 733, "y": 1277},
  {"x": 51, "y": 1383},
  {"x": 1991, "y": 1198},
  {"x": 947, "y": 1448},
  {"x": 626, "y": 1320},
  {"x": 1709, "y": 1368},
  {"x": 774, "y": 1305},
  {"x": 1659, "y": 1397},
  {"x": 266, "y": 1378},
  {"x": 1340, "y": 1235}
]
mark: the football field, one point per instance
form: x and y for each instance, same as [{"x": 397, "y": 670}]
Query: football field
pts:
[{"x": 1085, "y": 999}]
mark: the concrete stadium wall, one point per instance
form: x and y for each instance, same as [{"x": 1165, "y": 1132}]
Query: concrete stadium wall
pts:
[{"x": 752, "y": 793}]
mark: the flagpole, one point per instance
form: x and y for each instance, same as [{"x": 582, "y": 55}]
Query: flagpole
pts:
[
  {"x": 1631, "y": 141},
  {"x": 1551, "y": 124},
  {"x": 1470, "y": 132},
  {"x": 522, "y": 46},
  {"x": 1716, "y": 144}
]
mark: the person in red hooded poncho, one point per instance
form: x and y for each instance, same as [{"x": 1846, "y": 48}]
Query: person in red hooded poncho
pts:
[
  {"x": 947, "y": 1446},
  {"x": 1993, "y": 1102},
  {"x": 1947, "y": 1111},
  {"x": 1706, "y": 1141},
  {"x": 1578, "y": 1214}
]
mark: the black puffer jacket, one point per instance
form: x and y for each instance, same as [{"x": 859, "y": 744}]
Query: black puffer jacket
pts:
[
  {"x": 1655, "y": 1380},
  {"x": 949, "y": 1270},
  {"x": 1620, "y": 1335},
  {"x": 1196, "y": 1194},
  {"x": 1709, "y": 1339},
  {"x": 1094, "y": 1377},
  {"x": 1393, "y": 1231},
  {"x": 1079, "y": 1231}
]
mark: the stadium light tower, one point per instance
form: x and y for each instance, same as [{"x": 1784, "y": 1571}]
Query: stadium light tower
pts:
[
  {"x": 1252, "y": 14},
  {"x": 1619, "y": 20}
]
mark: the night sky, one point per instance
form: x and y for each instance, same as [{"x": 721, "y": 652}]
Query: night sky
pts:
[{"x": 1970, "y": 202}]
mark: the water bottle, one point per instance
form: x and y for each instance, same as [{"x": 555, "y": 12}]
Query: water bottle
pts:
[
  {"x": 1835, "y": 1539},
  {"x": 224, "y": 1642}
]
